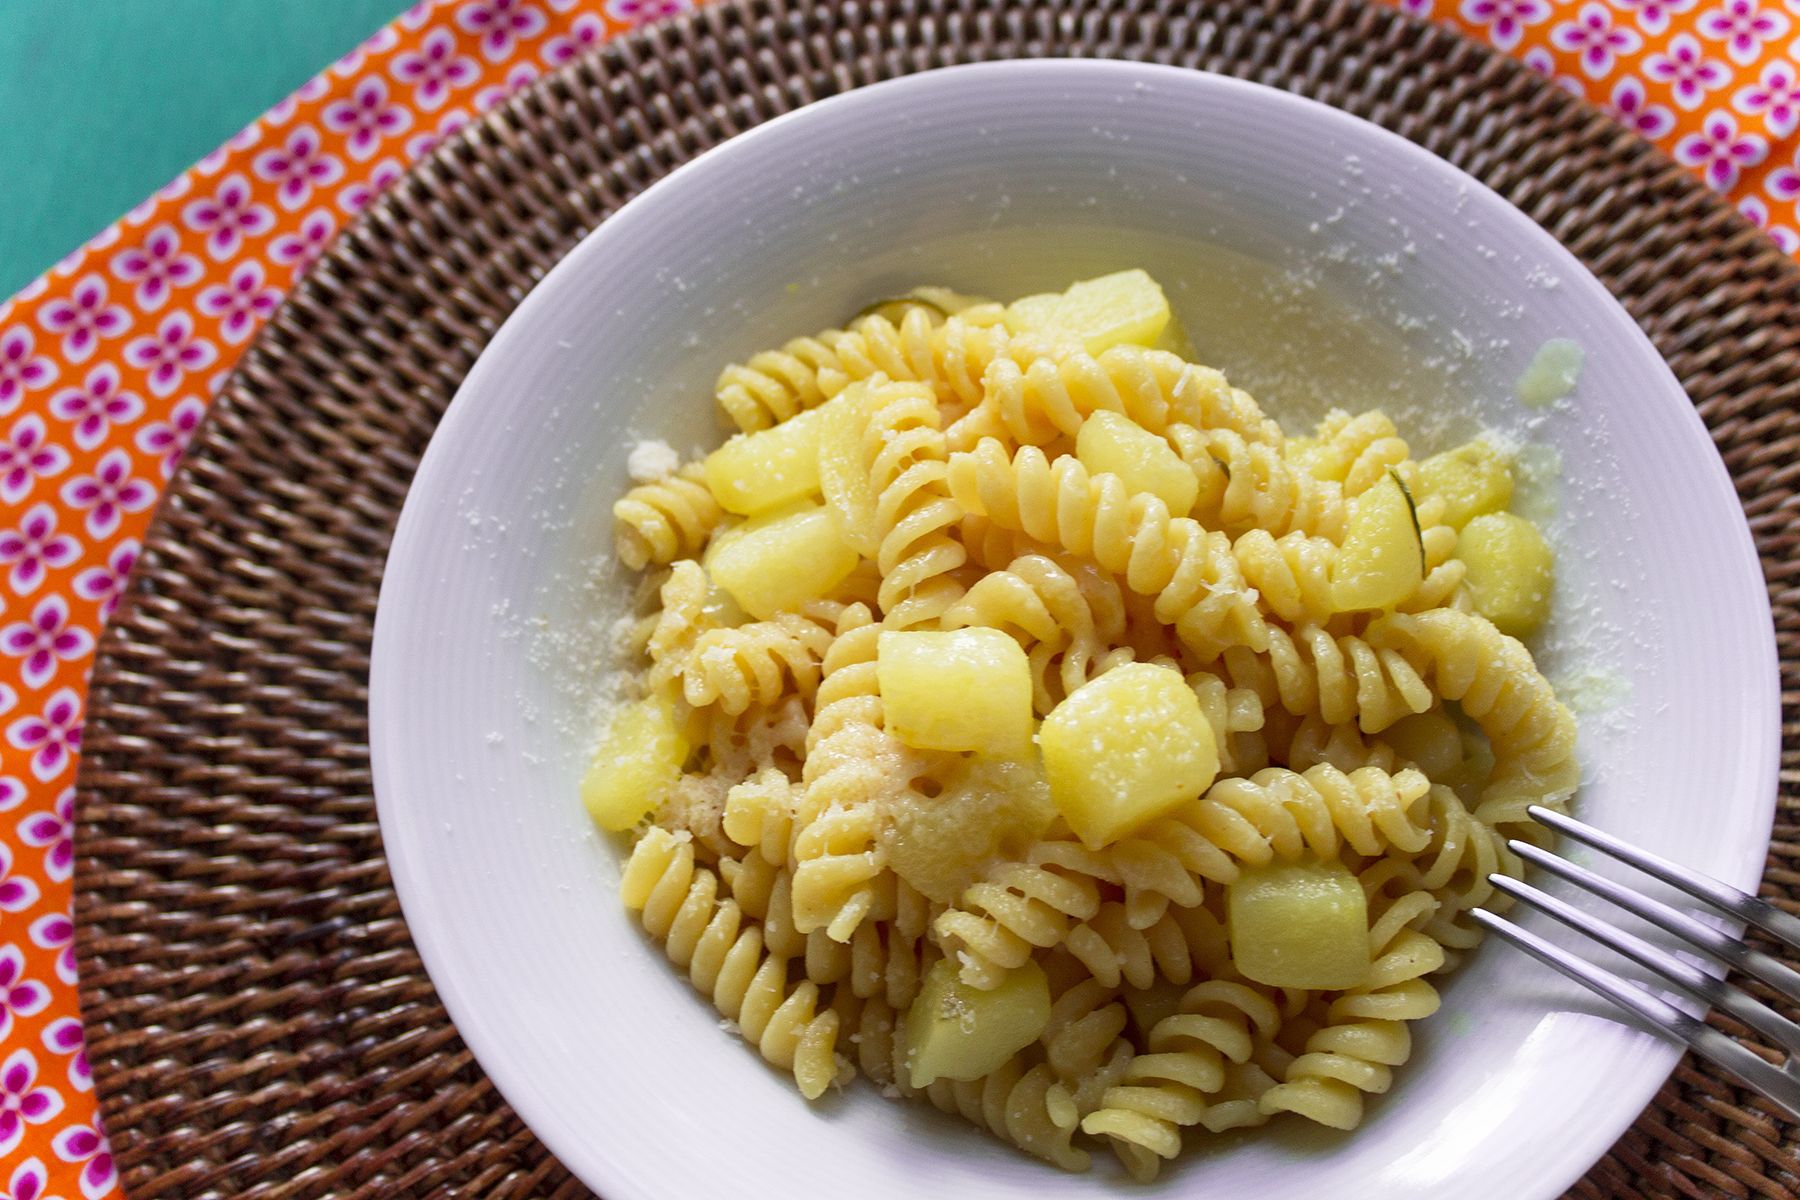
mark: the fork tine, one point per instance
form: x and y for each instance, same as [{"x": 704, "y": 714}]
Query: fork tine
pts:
[
  {"x": 1780, "y": 1087},
  {"x": 1784, "y": 927},
  {"x": 1721, "y": 946},
  {"x": 1689, "y": 978}
]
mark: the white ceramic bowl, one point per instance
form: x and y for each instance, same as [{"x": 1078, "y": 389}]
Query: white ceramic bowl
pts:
[{"x": 1316, "y": 258}]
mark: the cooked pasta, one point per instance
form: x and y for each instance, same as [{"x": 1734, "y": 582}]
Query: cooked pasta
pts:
[{"x": 1027, "y": 723}]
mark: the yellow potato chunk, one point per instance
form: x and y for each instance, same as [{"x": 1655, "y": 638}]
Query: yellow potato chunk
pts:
[
  {"x": 1299, "y": 925},
  {"x": 989, "y": 809},
  {"x": 1096, "y": 314},
  {"x": 1512, "y": 571},
  {"x": 966, "y": 689},
  {"x": 1113, "y": 444},
  {"x": 1125, "y": 749},
  {"x": 778, "y": 565},
  {"x": 954, "y": 1031},
  {"x": 1430, "y": 741},
  {"x": 754, "y": 472},
  {"x": 843, "y": 475},
  {"x": 639, "y": 757},
  {"x": 1472, "y": 479},
  {"x": 1382, "y": 559}
]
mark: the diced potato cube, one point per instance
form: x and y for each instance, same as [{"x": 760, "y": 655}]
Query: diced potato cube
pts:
[
  {"x": 1430, "y": 741},
  {"x": 954, "y": 1031},
  {"x": 1113, "y": 444},
  {"x": 843, "y": 475},
  {"x": 1299, "y": 925},
  {"x": 779, "y": 565},
  {"x": 991, "y": 808},
  {"x": 1512, "y": 571},
  {"x": 1112, "y": 310},
  {"x": 1472, "y": 479},
  {"x": 639, "y": 757},
  {"x": 966, "y": 689},
  {"x": 1125, "y": 749},
  {"x": 1382, "y": 560},
  {"x": 757, "y": 471}
]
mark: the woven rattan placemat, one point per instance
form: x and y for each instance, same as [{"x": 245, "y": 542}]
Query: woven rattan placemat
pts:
[{"x": 258, "y": 1020}]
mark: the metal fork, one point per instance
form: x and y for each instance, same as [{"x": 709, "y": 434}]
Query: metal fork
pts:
[{"x": 1779, "y": 1083}]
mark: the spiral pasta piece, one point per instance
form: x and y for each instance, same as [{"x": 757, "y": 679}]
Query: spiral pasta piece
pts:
[
  {"x": 680, "y": 623},
  {"x": 1286, "y": 814},
  {"x": 1014, "y": 1103},
  {"x": 1197, "y": 584},
  {"x": 1365, "y": 1033},
  {"x": 1355, "y": 451},
  {"x": 759, "y": 662},
  {"x": 1018, "y": 906},
  {"x": 1492, "y": 676},
  {"x": 951, "y": 356},
  {"x": 1457, "y": 868},
  {"x": 723, "y": 956},
  {"x": 1292, "y": 574},
  {"x": 1248, "y": 484},
  {"x": 1342, "y": 678},
  {"x": 1166, "y": 1089},
  {"x": 1116, "y": 953},
  {"x": 667, "y": 519},
  {"x": 759, "y": 814},
  {"x": 1044, "y": 398},
  {"x": 914, "y": 514}
]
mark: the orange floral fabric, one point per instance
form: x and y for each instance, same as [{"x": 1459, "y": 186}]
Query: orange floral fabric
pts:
[{"x": 108, "y": 362}]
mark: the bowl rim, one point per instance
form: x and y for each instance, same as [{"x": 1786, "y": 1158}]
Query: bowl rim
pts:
[{"x": 385, "y": 683}]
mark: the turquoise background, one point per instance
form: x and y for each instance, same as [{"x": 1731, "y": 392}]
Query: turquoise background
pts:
[{"x": 104, "y": 101}]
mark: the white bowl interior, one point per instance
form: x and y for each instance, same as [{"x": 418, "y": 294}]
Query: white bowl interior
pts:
[{"x": 1315, "y": 258}]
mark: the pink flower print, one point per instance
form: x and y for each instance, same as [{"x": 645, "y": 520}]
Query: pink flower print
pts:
[
  {"x": 16, "y": 895},
  {"x": 1687, "y": 68},
  {"x": 96, "y": 406},
  {"x": 46, "y": 638},
  {"x": 21, "y": 371},
  {"x": 1743, "y": 27},
  {"x": 1418, "y": 8},
  {"x": 84, "y": 318},
  {"x": 28, "y": 1182},
  {"x": 642, "y": 12},
  {"x": 516, "y": 78},
  {"x": 21, "y": 1100},
  {"x": 499, "y": 24},
  {"x": 54, "y": 832},
  {"x": 170, "y": 438},
  {"x": 34, "y": 547},
  {"x": 56, "y": 932},
  {"x": 228, "y": 217},
  {"x": 421, "y": 144},
  {"x": 297, "y": 250},
  {"x": 241, "y": 304},
  {"x": 170, "y": 353},
  {"x": 1594, "y": 36},
  {"x": 157, "y": 267},
  {"x": 19, "y": 996},
  {"x": 1784, "y": 183},
  {"x": 63, "y": 1036},
  {"x": 105, "y": 584},
  {"x": 416, "y": 16},
  {"x": 107, "y": 494},
  {"x": 86, "y": 1145},
  {"x": 588, "y": 31},
  {"x": 1652, "y": 16},
  {"x": 357, "y": 196},
  {"x": 12, "y": 792},
  {"x": 435, "y": 70},
  {"x": 27, "y": 455},
  {"x": 51, "y": 738},
  {"x": 1775, "y": 98},
  {"x": 1720, "y": 151},
  {"x": 367, "y": 116},
  {"x": 1631, "y": 106},
  {"x": 298, "y": 167}
]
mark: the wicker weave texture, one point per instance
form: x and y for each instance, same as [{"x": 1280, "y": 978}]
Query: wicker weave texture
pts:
[{"x": 259, "y": 1022}]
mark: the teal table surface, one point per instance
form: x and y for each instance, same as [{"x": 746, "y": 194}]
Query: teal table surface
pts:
[{"x": 104, "y": 101}]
